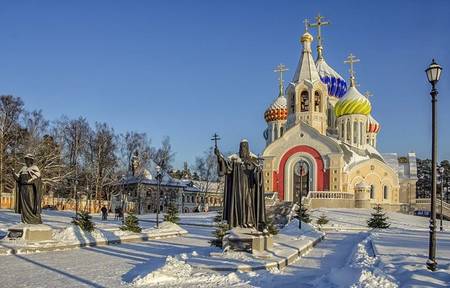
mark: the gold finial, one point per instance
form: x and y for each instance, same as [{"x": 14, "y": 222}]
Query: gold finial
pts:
[
  {"x": 320, "y": 22},
  {"x": 351, "y": 59},
  {"x": 281, "y": 68}
]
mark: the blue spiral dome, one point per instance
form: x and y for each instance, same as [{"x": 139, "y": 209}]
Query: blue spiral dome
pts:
[{"x": 336, "y": 84}]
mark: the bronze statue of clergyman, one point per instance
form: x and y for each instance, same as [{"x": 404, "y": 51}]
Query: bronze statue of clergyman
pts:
[
  {"x": 28, "y": 192},
  {"x": 244, "y": 204}
]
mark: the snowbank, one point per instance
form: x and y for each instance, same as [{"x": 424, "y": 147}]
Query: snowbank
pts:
[
  {"x": 371, "y": 275},
  {"x": 291, "y": 228},
  {"x": 177, "y": 273}
]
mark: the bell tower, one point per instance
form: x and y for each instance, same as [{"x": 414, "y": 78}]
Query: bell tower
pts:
[{"x": 307, "y": 95}]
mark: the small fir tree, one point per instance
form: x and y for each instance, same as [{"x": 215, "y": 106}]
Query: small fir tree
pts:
[
  {"x": 378, "y": 219},
  {"x": 271, "y": 227},
  {"x": 322, "y": 220},
  {"x": 84, "y": 221},
  {"x": 172, "y": 214},
  {"x": 303, "y": 215},
  {"x": 220, "y": 231},
  {"x": 131, "y": 223}
]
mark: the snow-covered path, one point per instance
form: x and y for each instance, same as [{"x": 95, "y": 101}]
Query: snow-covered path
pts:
[
  {"x": 318, "y": 266},
  {"x": 103, "y": 266}
]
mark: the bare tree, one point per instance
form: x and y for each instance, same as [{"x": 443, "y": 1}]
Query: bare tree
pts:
[
  {"x": 132, "y": 142},
  {"x": 206, "y": 169},
  {"x": 75, "y": 135},
  {"x": 10, "y": 111},
  {"x": 163, "y": 156},
  {"x": 101, "y": 157}
]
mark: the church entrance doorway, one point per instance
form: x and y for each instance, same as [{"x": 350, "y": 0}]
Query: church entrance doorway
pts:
[{"x": 301, "y": 180}]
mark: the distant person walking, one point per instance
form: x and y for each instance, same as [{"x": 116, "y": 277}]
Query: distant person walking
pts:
[{"x": 104, "y": 213}]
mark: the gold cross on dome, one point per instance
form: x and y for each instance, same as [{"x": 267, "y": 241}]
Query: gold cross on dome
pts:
[
  {"x": 281, "y": 68},
  {"x": 351, "y": 59},
  {"x": 319, "y": 24}
]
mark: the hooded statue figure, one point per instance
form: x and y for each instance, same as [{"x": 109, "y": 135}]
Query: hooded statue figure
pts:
[
  {"x": 28, "y": 192},
  {"x": 244, "y": 204}
]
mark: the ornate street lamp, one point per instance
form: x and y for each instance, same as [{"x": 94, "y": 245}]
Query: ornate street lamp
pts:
[
  {"x": 159, "y": 178},
  {"x": 433, "y": 74},
  {"x": 441, "y": 172}
]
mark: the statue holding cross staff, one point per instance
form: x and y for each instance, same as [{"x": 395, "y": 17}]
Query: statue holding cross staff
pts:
[{"x": 244, "y": 204}]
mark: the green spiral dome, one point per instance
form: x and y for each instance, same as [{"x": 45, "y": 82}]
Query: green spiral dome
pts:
[{"x": 352, "y": 103}]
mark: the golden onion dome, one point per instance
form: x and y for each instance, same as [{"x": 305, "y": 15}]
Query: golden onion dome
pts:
[
  {"x": 306, "y": 37},
  {"x": 353, "y": 102},
  {"x": 278, "y": 110}
]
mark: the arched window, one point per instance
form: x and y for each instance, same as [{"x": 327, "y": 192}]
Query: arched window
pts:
[
  {"x": 281, "y": 131},
  {"x": 276, "y": 132},
  {"x": 349, "y": 130},
  {"x": 317, "y": 102},
  {"x": 372, "y": 192},
  {"x": 293, "y": 102},
  {"x": 304, "y": 101},
  {"x": 361, "y": 140},
  {"x": 385, "y": 192},
  {"x": 355, "y": 132},
  {"x": 342, "y": 129}
]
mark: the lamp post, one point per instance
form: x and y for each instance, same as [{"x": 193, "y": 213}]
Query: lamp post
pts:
[
  {"x": 433, "y": 74},
  {"x": 441, "y": 173},
  {"x": 122, "y": 198},
  {"x": 300, "y": 193},
  {"x": 159, "y": 178}
]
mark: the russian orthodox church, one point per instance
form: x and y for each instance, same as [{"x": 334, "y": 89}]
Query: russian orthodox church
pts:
[{"x": 321, "y": 141}]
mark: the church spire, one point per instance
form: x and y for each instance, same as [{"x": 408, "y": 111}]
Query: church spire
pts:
[
  {"x": 306, "y": 68},
  {"x": 281, "y": 68},
  {"x": 318, "y": 25},
  {"x": 351, "y": 59}
]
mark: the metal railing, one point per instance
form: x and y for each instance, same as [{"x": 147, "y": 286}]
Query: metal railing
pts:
[{"x": 330, "y": 195}]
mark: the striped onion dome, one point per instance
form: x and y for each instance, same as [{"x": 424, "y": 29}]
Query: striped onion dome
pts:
[
  {"x": 335, "y": 83},
  {"x": 278, "y": 110},
  {"x": 353, "y": 102},
  {"x": 372, "y": 125}
]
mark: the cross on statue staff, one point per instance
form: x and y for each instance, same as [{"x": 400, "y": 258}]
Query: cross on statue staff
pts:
[
  {"x": 318, "y": 25},
  {"x": 215, "y": 138}
]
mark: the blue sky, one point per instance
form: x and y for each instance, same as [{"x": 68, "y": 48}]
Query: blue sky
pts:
[{"x": 187, "y": 69}]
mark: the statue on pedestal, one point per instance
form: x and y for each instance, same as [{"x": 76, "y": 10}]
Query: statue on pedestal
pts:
[
  {"x": 28, "y": 192},
  {"x": 244, "y": 204}
]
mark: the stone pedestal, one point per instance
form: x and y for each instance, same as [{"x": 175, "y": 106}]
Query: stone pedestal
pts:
[
  {"x": 247, "y": 239},
  {"x": 30, "y": 232}
]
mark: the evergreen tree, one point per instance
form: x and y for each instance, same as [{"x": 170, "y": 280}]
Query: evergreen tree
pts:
[
  {"x": 271, "y": 227},
  {"x": 172, "y": 214},
  {"x": 221, "y": 230},
  {"x": 84, "y": 221},
  {"x": 131, "y": 223},
  {"x": 322, "y": 220},
  {"x": 378, "y": 219},
  {"x": 303, "y": 215}
]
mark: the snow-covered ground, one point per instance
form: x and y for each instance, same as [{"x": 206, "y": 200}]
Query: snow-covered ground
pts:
[{"x": 389, "y": 258}]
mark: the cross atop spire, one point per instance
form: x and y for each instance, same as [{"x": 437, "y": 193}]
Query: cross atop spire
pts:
[
  {"x": 320, "y": 22},
  {"x": 306, "y": 22},
  {"x": 281, "y": 68},
  {"x": 351, "y": 59}
]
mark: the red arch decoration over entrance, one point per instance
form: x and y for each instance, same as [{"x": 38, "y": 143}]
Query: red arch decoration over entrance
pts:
[{"x": 320, "y": 173}]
